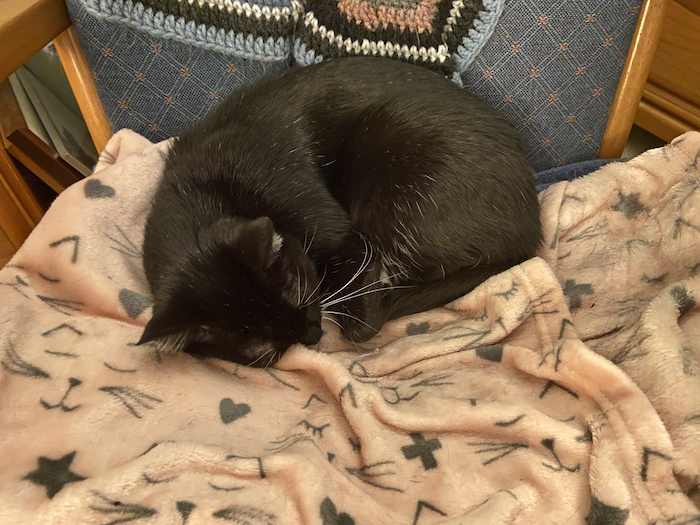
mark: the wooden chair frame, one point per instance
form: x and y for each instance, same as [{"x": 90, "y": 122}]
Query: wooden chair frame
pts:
[
  {"x": 634, "y": 78},
  {"x": 26, "y": 26}
]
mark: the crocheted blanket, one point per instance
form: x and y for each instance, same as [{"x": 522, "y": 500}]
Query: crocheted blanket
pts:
[
  {"x": 566, "y": 390},
  {"x": 444, "y": 35}
]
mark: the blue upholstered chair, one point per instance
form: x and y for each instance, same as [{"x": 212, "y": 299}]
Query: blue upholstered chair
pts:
[{"x": 552, "y": 67}]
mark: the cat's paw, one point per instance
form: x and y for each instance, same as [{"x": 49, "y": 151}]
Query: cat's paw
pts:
[
  {"x": 358, "y": 331},
  {"x": 362, "y": 318}
]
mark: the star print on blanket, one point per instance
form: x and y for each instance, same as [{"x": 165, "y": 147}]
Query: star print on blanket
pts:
[{"x": 564, "y": 390}]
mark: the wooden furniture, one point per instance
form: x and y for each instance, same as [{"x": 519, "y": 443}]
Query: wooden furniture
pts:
[
  {"x": 27, "y": 25},
  {"x": 28, "y": 149},
  {"x": 83, "y": 87},
  {"x": 7, "y": 250},
  {"x": 670, "y": 103},
  {"x": 634, "y": 76}
]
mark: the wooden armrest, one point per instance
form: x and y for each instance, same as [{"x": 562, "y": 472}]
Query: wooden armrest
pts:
[
  {"x": 26, "y": 26},
  {"x": 634, "y": 77},
  {"x": 83, "y": 87}
]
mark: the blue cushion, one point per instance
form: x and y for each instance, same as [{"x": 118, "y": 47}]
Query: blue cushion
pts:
[
  {"x": 553, "y": 69},
  {"x": 159, "y": 86}
]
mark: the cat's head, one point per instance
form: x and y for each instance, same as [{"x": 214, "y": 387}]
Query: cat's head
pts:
[{"x": 243, "y": 293}]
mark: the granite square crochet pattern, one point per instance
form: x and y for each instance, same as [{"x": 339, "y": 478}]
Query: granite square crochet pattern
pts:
[{"x": 443, "y": 35}]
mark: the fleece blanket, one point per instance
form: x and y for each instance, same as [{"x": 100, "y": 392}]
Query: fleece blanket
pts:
[{"x": 563, "y": 391}]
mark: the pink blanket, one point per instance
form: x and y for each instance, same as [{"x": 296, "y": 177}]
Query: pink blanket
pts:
[{"x": 564, "y": 391}]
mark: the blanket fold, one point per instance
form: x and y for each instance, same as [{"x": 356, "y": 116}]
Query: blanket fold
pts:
[{"x": 565, "y": 390}]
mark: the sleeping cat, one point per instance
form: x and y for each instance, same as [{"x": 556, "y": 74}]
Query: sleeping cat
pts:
[{"x": 356, "y": 189}]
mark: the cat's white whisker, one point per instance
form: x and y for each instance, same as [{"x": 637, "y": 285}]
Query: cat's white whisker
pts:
[
  {"x": 345, "y": 297},
  {"x": 258, "y": 359},
  {"x": 307, "y": 301},
  {"x": 365, "y": 262},
  {"x": 264, "y": 354},
  {"x": 355, "y": 296},
  {"x": 391, "y": 261},
  {"x": 302, "y": 296},
  {"x": 307, "y": 248},
  {"x": 298, "y": 288},
  {"x": 351, "y": 295},
  {"x": 173, "y": 343},
  {"x": 332, "y": 321},
  {"x": 272, "y": 358},
  {"x": 351, "y": 317}
]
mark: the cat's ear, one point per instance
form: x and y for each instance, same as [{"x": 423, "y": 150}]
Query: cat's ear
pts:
[
  {"x": 165, "y": 321},
  {"x": 255, "y": 241}
]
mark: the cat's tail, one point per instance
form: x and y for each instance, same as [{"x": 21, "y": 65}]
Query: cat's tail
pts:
[{"x": 433, "y": 294}]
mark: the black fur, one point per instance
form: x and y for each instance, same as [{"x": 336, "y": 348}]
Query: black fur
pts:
[{"x": 369, "y": 165}]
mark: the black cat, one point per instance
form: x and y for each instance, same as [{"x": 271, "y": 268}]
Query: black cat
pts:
[{"x": 363, "y": 189}]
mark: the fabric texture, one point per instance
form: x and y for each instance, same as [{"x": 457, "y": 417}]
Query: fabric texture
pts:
[
  {"x": 565, "y": 390},
  {"x": 443, "y": 35},
  {"x": 159, "y": 86},
  {"x": 551, "y": 67},
  {"x": 258, "y": 30}
]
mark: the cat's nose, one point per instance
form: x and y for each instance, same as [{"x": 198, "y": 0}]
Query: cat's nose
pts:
[
  {"x": 313, "y": 336},
  {"x": 313, "y": 316}
]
